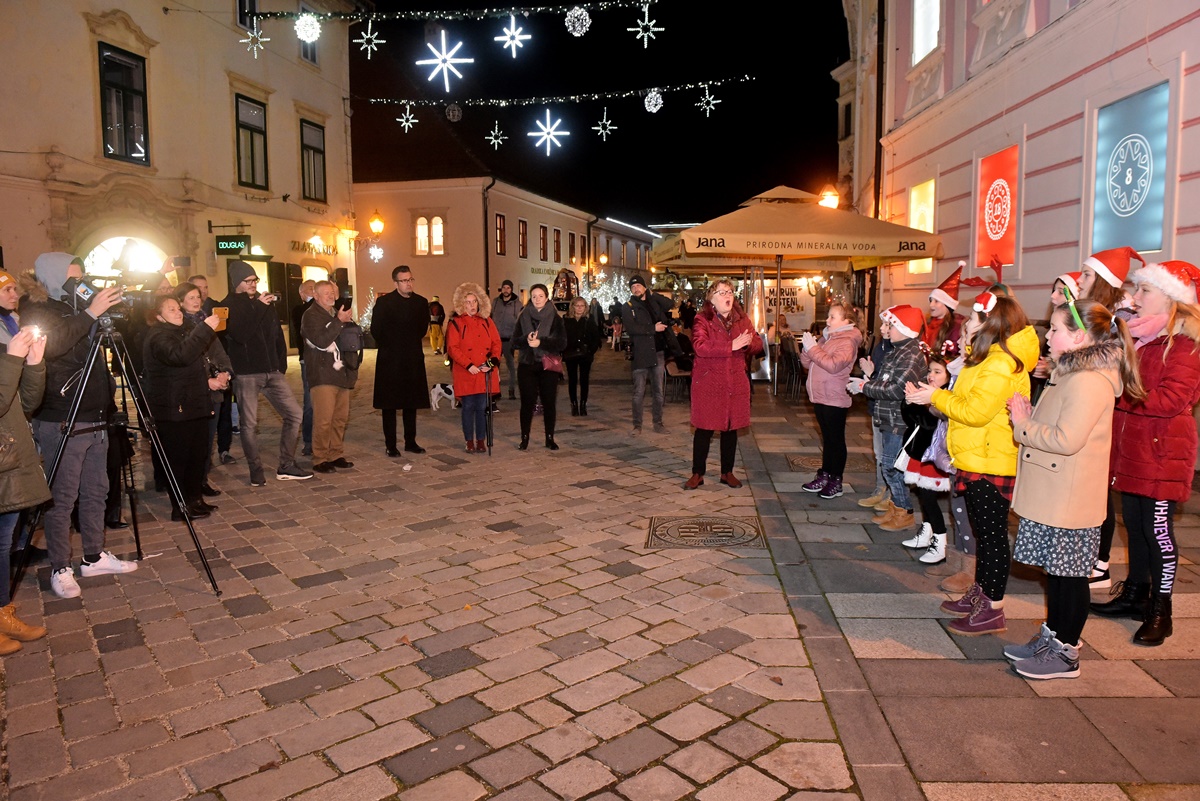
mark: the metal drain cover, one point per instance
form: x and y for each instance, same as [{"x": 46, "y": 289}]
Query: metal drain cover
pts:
[
  {"x": 854, "y": 463},
  {"x": 706, "y": 531}
]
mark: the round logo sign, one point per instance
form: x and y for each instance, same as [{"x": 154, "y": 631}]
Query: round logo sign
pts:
[
  {"x": 997, "y": 209},
  {"x": 1130, "y": 169}
]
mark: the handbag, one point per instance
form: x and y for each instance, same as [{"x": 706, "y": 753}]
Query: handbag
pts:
[{"x": 552, "y": 362}]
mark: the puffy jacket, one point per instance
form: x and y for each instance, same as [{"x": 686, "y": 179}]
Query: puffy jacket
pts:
[
  {"x": 979, "y": 437},
  {"x": 829, "y": 363},
  {"x": 21, "y": 389},
  {"x": 1154, "y": 441},
  {"x": 470, "y": 340},
  {"x": 720, "y": 381},
  {"x": 176, "y": 381},
  {"x": 1062, "y": 472}
]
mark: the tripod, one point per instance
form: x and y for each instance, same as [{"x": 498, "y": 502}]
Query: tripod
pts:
[{"x": 107, "y": 336}]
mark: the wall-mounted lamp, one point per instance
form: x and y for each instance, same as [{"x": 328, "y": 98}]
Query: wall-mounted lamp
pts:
[{"x": 829, "y": 197}]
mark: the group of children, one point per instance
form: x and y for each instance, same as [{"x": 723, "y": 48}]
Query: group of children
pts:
[{"x": 951, "y": 412}]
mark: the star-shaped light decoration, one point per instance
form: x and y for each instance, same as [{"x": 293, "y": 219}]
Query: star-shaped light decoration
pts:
[
  {"x": 445, "y": 61},
  {"x": 370, "y": 40},
  {"x": 255, "y": 41},
  {"x": 605, "y": 127},
  {"x": 407, "y": 119},
  {"x": 496, "y": 137},
  {"x": 645, "y": 27},
  {"x": 707, "y": 103},
  {"x": 308, "y": 28},
  {"x": 512, "y": 36},
  {"x": 375, "y": 252},
  {"x": 549, "y": 133}
]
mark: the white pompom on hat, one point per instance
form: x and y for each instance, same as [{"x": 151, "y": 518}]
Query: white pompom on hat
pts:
[
  {"x": 1113, "y": 265},
  {"x": 908, "y": 320},
  {"x": 1176, "y": 279}
]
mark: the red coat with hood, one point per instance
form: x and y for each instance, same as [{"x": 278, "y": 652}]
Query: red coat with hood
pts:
[
  {"x": 1154, "y": 440},
  {"x": 470, "y": 340},
  {"x": 720, "y": 382}
]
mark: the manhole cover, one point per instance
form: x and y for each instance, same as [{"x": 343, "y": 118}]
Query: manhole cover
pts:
[
  {"x": 705, "y": 532},
  {"x": 854, "y": 463}
]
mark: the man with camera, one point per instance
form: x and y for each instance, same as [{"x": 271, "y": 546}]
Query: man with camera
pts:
[
  {"x": 330, "y": 377},
  {"x": 255, "y": 345},
  {"x": 306, "y": 292},
  {"x": 54, "y": 303}
]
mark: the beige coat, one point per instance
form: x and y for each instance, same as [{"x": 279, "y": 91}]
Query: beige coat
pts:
[{"x": 1062, "y": 469}]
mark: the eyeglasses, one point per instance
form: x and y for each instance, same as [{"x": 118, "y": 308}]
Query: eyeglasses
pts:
[
  {"x": 724, "y": 293},
  {"x": 404, "y": 280}
]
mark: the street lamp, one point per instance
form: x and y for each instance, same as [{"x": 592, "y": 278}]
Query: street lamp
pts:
[
  {"x": 829, "y": 197},
  {"x": 376, "y": 223},
  {"x": 371, "y": 242}
]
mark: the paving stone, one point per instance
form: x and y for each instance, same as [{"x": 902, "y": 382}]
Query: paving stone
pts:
[
  {"x": 610, "y": 720},
  {"x": 744, "y": 784},
  {"x": 818, "y": 766},
  {"x": 1178, "y": 676},
  {"x": 74, "y": 784},
  {"x": 231, "y": 765},
  {"x": 509, "y": 766},
  {"x": 432, "y": 758},
  {"x": 527, "y": 792},
  {"x": 519, "y": 691},
  {"x": 547, "y": 713},
  {"x": 899, "y": 639},
  {"x": 562, "y": 742},
  {"x": 573, "y": 644},
  {"x": 772, "y": 653},
  {"x": 733, "y": 701},
  {"x": 1158, "y": 736},
  {"x": 725, "y": 638},
  {"x": 125, "y": 741},
  {"x": 323, "y": 733},
  {"x": 456, "y": 786},
  {"x": 458, "y": 714},
  {"x": 34, "y": 757},
  {"x": 518, "y": 664},
  {"x": 633, "y": 751},
  {"x": 651, "y": 668},
  {"x": 369, "y": 784},
  {"x": 691, "y": 651},
  {"x": 656, "y": 784},
  {"x": 597, "y": 691},
  {"x": 375, "y": 746},
  {"x": 89, "y": 719},
  {"x": 303, "y": 686},
  {"x": 965, "y": 791},
  {"x": 888, "y": 677},
  {"x": 717, "y": 672},
  {"x": 270, "y": 723},
  {"x": 796, "y": 720},
  {"x": 690, "y": 722},
  {"x": 578, "y": 778},
  {"x": 280, "y": 782},
  {"x": 664, "y": 696},
  {"x": 1104, "y": 679},
  {"x": 743, "y": 739},
  {"x": 505, "y": 729},
  {"x": 782, "y": 684}
]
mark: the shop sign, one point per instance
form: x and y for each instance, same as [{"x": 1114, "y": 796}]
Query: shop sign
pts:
[
  {"x": 232, "y": 244},
  {"x": 314, "y": 250},
  {"x": 1131, "y": 171},
  {"x": 996, "y": 219}
]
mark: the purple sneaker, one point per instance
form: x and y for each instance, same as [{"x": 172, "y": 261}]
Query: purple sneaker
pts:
[
  {"x": 963, "y": 606},
  {"x": 984, "y": 619},
  {"x": 832, "y": 488},
  {"x": 818, "y": 483}
]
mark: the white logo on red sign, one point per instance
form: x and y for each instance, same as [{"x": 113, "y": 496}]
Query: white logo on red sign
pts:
[{"x": 997, "y": 209}]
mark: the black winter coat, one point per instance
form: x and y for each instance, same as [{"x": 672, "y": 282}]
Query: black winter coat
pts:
[
  {"x": 176, "y": 380},
  {"x": 398, "y": 324},
  {"x": 639, "y": 318},
  {"x": 583, "y": 337},
  {"x": 920, "y": 422},
  {"x": 67, "y": 342},
  {"x": 253, "y": 336}
]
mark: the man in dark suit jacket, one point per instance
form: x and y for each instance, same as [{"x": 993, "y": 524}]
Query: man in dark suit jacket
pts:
[{"x": 398, "y": 325}]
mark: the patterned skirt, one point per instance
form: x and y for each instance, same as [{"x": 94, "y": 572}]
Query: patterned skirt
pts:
[{"x": 1067, "y": 552}]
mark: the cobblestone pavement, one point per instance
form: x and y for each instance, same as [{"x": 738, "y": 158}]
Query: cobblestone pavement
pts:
[{"x": 495, "y": 627}]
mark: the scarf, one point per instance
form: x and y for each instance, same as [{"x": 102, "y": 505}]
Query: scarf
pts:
[
  {"x": 828, "y": 332},
  {"x": 541, "y": 321},
  {"x": 10, "y": 322},
  {"x": 1146, "y": 329}
]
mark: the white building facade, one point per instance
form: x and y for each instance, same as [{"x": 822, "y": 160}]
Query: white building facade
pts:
[{"x": 1028, "y": 132}]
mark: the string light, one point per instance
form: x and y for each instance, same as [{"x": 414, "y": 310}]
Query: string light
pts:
[
  {"x": 558, "y": 99},
  {"x": 605, "y": 127},
  {"x": 255, "y": 41},
  {"x": 407, "y": 119},
  {"x": 548, "y": 133},
  {"x": 578, "y": 21},
  {"x": 473, "y": 14},
  {"x": 707, "y": 103},
  {"x": 496, "y": 137}
]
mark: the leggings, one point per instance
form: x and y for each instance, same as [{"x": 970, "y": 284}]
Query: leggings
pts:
[
  {"x": 832, "y": 420},
  {"x": 931, "y": 510},
  {"x": 537, "y": 382},
  {"x": 578, "y": 370},
  {"x": 700, "y": 442},
  {"x": 987, "y": 509},
  {"x": 1107, "y": 528},
  {"x": 1067, "y": 599},
  {"x": 1153, "y": 553}
]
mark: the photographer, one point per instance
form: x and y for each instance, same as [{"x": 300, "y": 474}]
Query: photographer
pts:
[
  {"x": 217, "y": 366},
  {"x": 177, "y": 392},
  {"x": 330, "y": 378},
  {"x": 473, "y": 344},
  {"x": 22, "y": 482},
  {"x": 50, "y": 303}
]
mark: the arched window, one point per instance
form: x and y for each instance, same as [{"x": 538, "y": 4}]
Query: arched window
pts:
[
  {"x": 439, "y": 244},
  {"x": 422, "y": 248}
]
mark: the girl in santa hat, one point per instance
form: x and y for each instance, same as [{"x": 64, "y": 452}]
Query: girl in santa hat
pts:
[
  {"x": 944, "y": 325},
  {"x": 1154, "y": 443},
  {"x": 979, "y": 439}
]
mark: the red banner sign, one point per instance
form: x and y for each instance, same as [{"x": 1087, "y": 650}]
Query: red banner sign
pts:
[{"x": 996, "y": 223}]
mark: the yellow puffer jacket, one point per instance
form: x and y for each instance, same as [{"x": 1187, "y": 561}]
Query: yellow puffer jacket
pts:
[{"x": 979, "y": 437}]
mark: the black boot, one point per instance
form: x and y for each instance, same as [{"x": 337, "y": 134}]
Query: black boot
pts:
[
  {"x": 1157, "y": 625},
  {"x": 583, "y": 409},
  {"x": 1131, "y": 601},
  {"x": 574, "y": 409},
  {"x": 550, "y": 443},
  {"x": 524, "y": 446}
]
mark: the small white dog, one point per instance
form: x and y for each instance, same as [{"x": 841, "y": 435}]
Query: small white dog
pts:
[{"x": 440, "y": 391}]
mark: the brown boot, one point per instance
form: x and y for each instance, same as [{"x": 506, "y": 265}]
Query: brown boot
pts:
[
  {"x": 885, "y": 513},
  {"x": 12, "y": 627},
  {"x": 901, "y": 520},
  {"x": 8, "y": 646},
  {"x": 952, "y": 565},
  {"x": 961, "y": 581}
]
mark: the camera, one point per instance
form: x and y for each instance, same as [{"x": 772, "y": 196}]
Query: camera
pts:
[
  {"x": 489, "y": 362},
  {"x": 135, "y": 288}
]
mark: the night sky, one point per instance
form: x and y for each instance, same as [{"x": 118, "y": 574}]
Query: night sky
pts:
[{"x": 672, "y": 166}]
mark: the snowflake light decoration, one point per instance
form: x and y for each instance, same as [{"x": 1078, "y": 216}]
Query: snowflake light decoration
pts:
[
  {"x": 645, "y": 27},
  {"x": 444, "y": 61},
  {"x": 604, "y": 128},
  {"x": 370, "y": 40},
  {"x": 512, "y": 36},
  {"x": 496, "y": 137},
  {"x": 407, "y": 119},
  {"x": 254, "y": 40},
  {"x": 549, "y": 133},
  {"x": 375, "y": 252},
  {"x": 707, "y": 103},
  {"x": 654, "y": 101},
  {"x": 578, "y": 21},
  {"x": 308, "y": 28}
]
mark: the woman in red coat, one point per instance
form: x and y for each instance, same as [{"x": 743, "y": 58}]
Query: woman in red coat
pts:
[
  {"x": 473, "y": 344},
  {"x": 1154, "y": 443},
  {"x": 724, "y": 340}
]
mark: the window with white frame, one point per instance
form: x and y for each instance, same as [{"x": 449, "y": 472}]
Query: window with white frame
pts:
[
  {"x": 245, "y": 11},
  {"x": 926, "y": 22},
  {"x": 437, "y": 236},
  {"x": 430, "y": 237},
  {"x": 422, "y": 245},
  {"x": 312, "y": 160},
  {"x": 308, "y": 50}
]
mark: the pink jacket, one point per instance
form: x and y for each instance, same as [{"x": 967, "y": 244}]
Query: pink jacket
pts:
[{"x": 829, "y": 363}]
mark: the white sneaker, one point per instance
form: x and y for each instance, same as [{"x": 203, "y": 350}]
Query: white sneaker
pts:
[
  {"x": 107, "y": 563},
  {"x": 936, "y": 553},
  {"x": 923, "y": 538},
  {"x": 63, "y": 584}
]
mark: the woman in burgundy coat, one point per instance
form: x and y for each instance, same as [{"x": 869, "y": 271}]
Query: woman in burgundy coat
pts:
[
  {"x": 724, "y": 340},
  {"x": 1154, "y": 443},
  {"x": 473, "y": 344}
]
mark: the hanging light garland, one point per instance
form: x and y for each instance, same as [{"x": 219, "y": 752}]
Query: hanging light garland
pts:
[
  {"x": 475, "y": 14},
  {"x": 583, "y": 97}
]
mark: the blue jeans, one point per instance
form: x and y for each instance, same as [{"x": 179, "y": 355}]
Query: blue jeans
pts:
[
  {"x": 655, "y": 375},
  {"x": 474, "y": 415},
  {"x": 8, "y": 524},
  {"x": 274, "y": 388},
  {"x": 306, "y": 420},
  {"x": 893, "y": 443}
]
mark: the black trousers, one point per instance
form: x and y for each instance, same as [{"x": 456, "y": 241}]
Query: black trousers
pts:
[
  {"x": 988, "y": 512},
  {"x": 184, "y": 442},
  {"x": 389, "y": 427},
  {"x": 1067, "y": 599},
  {"x": 700, "y": 444},
  {"x": 931, "y": 510},
  {"x": 225, "y": 422},
  {"x": 536, "y": 382},
  {"x": 832, "y": 420},
  {"x": 1107, "y": 529},
  {"x": 580, "y": 369},
  {"x": 1153, "y": 552}
]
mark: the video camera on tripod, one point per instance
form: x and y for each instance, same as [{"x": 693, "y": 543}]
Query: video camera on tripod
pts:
[{"x": 136, "y": 289}]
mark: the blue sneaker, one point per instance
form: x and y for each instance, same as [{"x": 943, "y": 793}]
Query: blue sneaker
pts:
[
  {"x": 1056, "y": 661},
  {"x": 1028, "y": 650}
]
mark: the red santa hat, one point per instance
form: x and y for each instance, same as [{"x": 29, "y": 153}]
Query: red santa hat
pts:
[
  {"x": 984, "y": 303},
  {"x": 908, "y": 320},
  {"x": 1113, "y": 265},
  {"x": 1071, "y": 282},
  {"x": 947, "y": 291},
  {"x": 1177, "y": 279}
]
